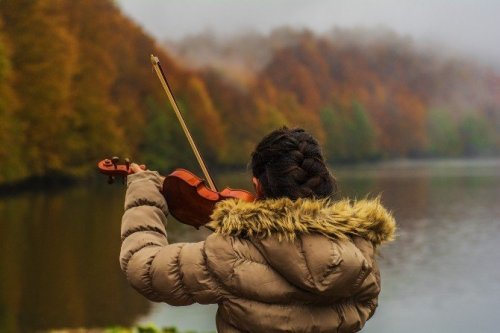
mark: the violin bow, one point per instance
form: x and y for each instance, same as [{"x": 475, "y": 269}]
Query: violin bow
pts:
[{"x": 163, "y": 79}]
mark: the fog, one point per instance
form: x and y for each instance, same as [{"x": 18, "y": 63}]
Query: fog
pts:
[{"x": 469, "y": 27}]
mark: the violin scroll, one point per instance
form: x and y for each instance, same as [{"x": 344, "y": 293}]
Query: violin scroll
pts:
[{"x": 112, "y": 168}]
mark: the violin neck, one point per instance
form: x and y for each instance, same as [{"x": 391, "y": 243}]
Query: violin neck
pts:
[{"x": 163, "y": 79}]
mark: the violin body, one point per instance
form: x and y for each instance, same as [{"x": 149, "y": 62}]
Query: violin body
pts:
[{"x": 191, "y": 202}]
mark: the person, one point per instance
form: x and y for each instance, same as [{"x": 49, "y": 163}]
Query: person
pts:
[{"x": 294, "y": 260}]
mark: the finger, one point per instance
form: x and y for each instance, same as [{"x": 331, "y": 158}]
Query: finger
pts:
[{"x": 135, "y": 168}]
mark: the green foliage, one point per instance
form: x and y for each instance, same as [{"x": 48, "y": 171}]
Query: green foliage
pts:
[
  {"x": 470, "y": 135},
  {"x": 476, "y": 134},
  {"x": 148, "y": 328},
  {"x": 443, "y": 134},
  {"x": 267, "y": 118},
  {"x": 118, "y": 329},
  {"x": 335, "y": 143},
  {"x": 361, "y": 134},
  {"x": 164, "y": 146},
  {"x": 151, "y": 328},
  {"x": 350, "y": 136}
]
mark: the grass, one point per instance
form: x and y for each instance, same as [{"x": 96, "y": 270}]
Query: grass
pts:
[{"x": 150, "y": 328}]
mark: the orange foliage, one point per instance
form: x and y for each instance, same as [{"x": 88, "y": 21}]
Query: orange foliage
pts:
[{"x": 82, "y": 76}]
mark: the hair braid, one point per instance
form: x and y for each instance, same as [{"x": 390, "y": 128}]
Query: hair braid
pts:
[{"x": 289, "y": 163}]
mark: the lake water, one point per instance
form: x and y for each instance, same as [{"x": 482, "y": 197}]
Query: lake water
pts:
[{"x": 59, "y": 253}]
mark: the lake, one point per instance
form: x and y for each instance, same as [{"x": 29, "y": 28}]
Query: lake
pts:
[{"x": 59, "y": 253}]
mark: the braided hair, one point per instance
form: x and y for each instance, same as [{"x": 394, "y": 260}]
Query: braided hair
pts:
[{"x": 289, "y": 163}]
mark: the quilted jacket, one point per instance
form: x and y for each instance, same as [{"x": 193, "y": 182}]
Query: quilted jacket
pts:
[{"x": 271, "y": 265}]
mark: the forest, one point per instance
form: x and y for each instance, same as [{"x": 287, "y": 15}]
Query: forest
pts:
[{"x": 76, "y": 86}]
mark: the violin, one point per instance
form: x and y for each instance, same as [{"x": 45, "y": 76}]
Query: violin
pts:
[{"x": 190, "y": 199}]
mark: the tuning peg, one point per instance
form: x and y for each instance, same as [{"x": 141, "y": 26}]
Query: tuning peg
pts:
[
  {"x": 127, "y": 162},
  {"x": 111, "y": 180},
  {"x": 115, "y": 160}
]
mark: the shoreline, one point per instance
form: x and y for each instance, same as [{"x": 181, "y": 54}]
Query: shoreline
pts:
[{"x": 58, "y": 181}]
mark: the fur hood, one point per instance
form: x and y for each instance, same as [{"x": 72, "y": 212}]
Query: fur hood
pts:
[{"x": 285, "y": 219}]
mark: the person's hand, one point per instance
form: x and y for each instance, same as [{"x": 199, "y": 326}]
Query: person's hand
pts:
[{"x": 135, "y": 168}]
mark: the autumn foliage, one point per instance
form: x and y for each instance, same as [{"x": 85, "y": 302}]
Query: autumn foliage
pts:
[{"x": 76, "y": 86}]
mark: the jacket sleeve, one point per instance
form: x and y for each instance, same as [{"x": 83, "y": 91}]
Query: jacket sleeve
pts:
[{"x": 173, "y": 273}]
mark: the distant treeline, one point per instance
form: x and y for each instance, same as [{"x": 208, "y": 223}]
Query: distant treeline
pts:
[{"x": 76, "y": 86}]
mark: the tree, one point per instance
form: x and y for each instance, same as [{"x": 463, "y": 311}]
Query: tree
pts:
[
  {"x": 476, "y": 136},
  {"x": 12, "y": 167},
  {"x": 164, "y": 145},
  {"x": 43, "y": 58},
  {"x": 442, "y": 133},
  {"x": 204, "y": 120},
  {"x": 336, "y": 140},
  {"x": 361, "y": 142},
  {"x": 350, "y": 136}
]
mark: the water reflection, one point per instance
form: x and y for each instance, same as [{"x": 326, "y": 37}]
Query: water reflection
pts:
[
  {"x": 59, "y": 253},
  {"x": 442, "y": 273},
  {"x": 58, "y": 259}
]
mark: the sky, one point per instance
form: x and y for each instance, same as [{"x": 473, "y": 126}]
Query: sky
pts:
[{"x": 469, "y": 27}]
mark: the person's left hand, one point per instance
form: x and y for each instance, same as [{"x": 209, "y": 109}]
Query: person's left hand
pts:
[{"x": 135, "y": 168}]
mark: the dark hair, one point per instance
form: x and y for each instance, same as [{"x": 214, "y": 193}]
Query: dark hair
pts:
[{"x": 289, "y": 163}]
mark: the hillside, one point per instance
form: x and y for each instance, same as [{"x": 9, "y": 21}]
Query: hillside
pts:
[
  {"x": 76, "y": 86},
  {"x": 408, "y": 100}
]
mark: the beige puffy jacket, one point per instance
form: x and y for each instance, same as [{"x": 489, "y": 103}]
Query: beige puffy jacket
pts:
[{"x": 271, "y": 266}]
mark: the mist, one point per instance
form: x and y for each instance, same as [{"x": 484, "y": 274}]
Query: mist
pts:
[{"x": 466, "y": 27}]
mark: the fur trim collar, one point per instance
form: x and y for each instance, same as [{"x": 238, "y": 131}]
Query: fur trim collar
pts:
[{"x": 285, "y": 219}]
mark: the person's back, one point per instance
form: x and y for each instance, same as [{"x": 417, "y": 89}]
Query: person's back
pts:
[{"x": 292, "y": 261}]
